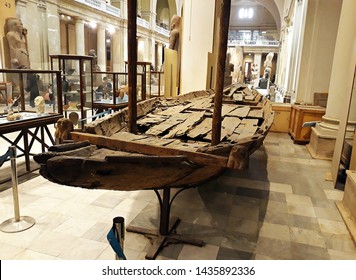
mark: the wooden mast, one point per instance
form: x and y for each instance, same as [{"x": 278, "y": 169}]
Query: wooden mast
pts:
[
  {"x": 220, "y": 69},
  {"x": 132, "y": 64}
]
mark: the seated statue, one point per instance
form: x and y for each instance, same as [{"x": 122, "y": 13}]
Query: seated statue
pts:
[{"x": 63, "y": 129}]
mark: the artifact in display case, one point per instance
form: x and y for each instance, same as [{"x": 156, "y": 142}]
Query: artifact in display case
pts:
[
  {"x": 22, "y": 87},
  {"x": 77, "y": 85}
]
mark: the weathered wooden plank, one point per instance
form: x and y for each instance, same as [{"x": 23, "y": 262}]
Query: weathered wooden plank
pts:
[
  {"x": 199, "y": 158},
  {"x": 227, "y": 109},
  {"x": 174, "y": 110},
  {"x": 151, "y": 119},
  {"x": 229, "y": 124},
  {"x": 240, "y": 112},
  {"x": 201, "y": 129},
  {"x": 167, "y": 124},
  {"x": 127, "y": 136},
  {"x": 192, "y": 147},
  {"x": 247, "y": 128},
  {"x": 202, "y": 103},
  {"x": 182, "y": 128},
  {"x": 237, "y": 97},
  {"x": 256, "y": 114}
]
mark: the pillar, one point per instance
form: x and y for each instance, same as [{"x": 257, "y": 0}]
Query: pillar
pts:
[
  {"x": 53, "y": 31},
  {"x": 117, "y": 51},
  {"x": 101, "y": 47},
  {"x": 79, "y": 37},
  {"x": 323, "y": 136}
]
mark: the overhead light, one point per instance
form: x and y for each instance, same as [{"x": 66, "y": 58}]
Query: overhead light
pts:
[
  {"x": 62, "y": 16},
  {"x": 246, "y": 13},
  {"x": 92, "y": 24},
  {"x": 264, "y": 32},
  {"x": 107, "y": 40},
  {"x": 111, "y": 29},
  {"x": 249, "y": 54},
  {"x": 69, "y": 18}
]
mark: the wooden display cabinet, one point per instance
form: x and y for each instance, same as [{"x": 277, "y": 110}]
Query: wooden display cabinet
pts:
[
  {"x": 77, "y": 86},
  {"x": 281, "y": 117},
  {"x": 301, "y": 114}
]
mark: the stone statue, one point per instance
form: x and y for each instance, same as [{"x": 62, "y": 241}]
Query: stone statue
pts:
[
  {"x": 96, "y": 67},
  {"x": 268, "y": 65},
  {"x": 40, "y": 105},
  {"x": 16, "y": 37},
  {"x": 174, "y": 41},
  {"x": 175, "y": 33},
  {"x": 237, "y": 60},
  {"x": 63, "y": 129}
]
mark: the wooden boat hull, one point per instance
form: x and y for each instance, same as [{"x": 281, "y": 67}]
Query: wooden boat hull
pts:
[{"x": 172, "y": 149}]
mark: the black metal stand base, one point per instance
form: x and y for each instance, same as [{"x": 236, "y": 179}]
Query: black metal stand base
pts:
[{"x": 165, "y": 235}]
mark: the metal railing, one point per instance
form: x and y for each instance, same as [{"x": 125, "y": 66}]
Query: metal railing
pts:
[{"x": 102, "y": 6}]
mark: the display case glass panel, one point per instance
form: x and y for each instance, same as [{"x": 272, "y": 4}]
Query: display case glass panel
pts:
[
  {"x": 77, "y": 86},
  {"x": 28, "y": 94}
]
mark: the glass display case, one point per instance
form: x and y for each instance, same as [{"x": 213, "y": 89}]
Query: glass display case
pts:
[
  {"x": 29, "y": 104},
  {"x": 143, "y": 79},
  {"x": 110, "y": 90},
  {"x": 19, "y": 89},
  {"x": 77, "y": 86}
]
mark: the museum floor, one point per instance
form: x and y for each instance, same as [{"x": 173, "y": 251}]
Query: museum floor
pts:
[{"x": 280, "y": 208}]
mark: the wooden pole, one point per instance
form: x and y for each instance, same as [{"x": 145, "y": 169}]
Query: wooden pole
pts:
[
  {"x": 219, "y": 84},
  {"x": 132, "y": 64}
]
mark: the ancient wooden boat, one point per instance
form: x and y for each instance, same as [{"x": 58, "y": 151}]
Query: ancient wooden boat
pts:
[{"x": 172, "y": 147}]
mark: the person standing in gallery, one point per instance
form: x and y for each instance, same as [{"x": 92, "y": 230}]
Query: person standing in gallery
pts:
[{"x": 32, "y": 88}]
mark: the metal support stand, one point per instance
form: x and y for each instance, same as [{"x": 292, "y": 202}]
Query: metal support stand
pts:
[
  {"x": 18, "y": 223},
  {"x": 165, "y": 235},
  {"x": 119, "y": 223}
]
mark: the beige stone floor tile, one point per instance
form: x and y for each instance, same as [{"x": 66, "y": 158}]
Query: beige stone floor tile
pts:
[
  {"x": 333, "y": 227},
  {"x": 8, "y": 252},
  {"x": 68, "y": 208},
  {"x": 341, "y": 255},
  {"x": 334, "y": 194},
  {"x": 277, "y": 206},
  {"x": 135, "y": 241},
  {"x": 301, "y": 210},
  {"x": 75, "y": 226},
  {"x": 275, "y": 231},
  {"x": 308, "y": 237},
  {"x": 207, "y": 252},
  {"x": 83, "y": 249},
  {"x": 91, "y": 212},
  {"x": 47, "y": 221},
  {"x": 32, "y": 255},
  {"x": 298, "y": 200},
  {"x": 278, "y": 187},
  {"x": 98, "y": 232},
  {"x": 126, "y": 214},
  {"x": 243, "y": 182},
  {"x": 44, "y": 204},
  {"x": 131, "y": 205},
  {"x": 52, "y": 243},
  {"x": 329, "y": 214},
  {"x": 21, "y": 239}
]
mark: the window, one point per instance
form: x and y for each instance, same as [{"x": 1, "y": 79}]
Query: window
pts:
[{"x": 245, "y": 13}]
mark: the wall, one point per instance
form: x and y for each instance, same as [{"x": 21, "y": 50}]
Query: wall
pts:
[
  {"x": 197, "y": 41},
  {"x": 7, "y": 9},
  {"x": 318, "y": 49}
]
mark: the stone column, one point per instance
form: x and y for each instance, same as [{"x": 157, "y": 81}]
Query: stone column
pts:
[
  {"x": 323, "y": 136},
  {"x": 79, "y": 37},
  {"x": 54, "y": 44},
  {"x": 101, "y": 47},
  {"x": 117, "y": 51}
]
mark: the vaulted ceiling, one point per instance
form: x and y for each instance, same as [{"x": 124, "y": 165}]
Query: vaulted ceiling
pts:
[{"x": 266, "y": 15}]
